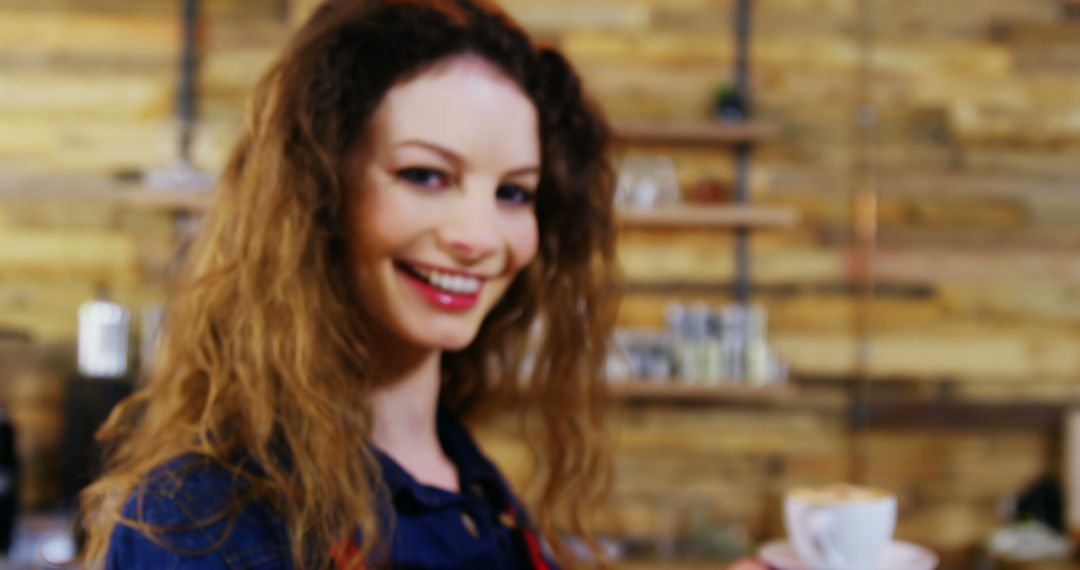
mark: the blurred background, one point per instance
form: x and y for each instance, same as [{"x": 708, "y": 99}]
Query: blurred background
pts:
[{"x": 849, "y": 235}]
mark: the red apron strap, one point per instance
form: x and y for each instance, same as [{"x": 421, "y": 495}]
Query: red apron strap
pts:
[
  {"x": 532, "y": 543},
  {"x": 534, "y": 550},
  {"x": 345, "y": 551}
]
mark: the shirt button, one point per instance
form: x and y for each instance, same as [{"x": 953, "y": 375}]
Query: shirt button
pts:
[{"x": 470, "y": 525}]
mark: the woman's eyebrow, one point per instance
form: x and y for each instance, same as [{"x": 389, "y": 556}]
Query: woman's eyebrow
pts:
[
  {"x": 446, "y": 153},
  {"x": 523, "y": 171}
]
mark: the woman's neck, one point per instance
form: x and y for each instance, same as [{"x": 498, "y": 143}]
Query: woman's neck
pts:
[
  {"x": 404, "y": 409},
  {"x": 404, "y": 404}
]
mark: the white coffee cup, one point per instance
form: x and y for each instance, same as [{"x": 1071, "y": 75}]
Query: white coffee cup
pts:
[{"x": 840, "y": 526}]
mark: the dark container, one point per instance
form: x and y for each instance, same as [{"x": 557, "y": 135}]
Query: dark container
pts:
[{"x": 9, "y": 478}]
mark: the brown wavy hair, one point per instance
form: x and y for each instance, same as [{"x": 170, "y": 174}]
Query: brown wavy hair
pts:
[{"x": 265, "y": 357}]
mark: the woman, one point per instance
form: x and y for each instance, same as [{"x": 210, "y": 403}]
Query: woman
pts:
[{"x": 415, "y": 227}]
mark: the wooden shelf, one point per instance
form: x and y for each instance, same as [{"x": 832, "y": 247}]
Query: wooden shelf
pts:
[
  {"x": 671, "y": 391},
  {"x": 677, "y": 287},
  {"x": 708, "y": 216},
  {"x": 965, "y": 415},
  {"x": 703, "y": 132},
  {"x": 100, "y": 189}
]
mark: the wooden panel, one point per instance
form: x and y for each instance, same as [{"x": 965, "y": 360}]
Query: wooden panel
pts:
[
  {"x": 708, "y": 216},
  {"x": 61, "y": 254},
  {"x": 606, "y": 14},
  {"x": 235, "y": 71},
  {"x": 97, "y": 189},
  {"x": 699, "y": 132},
  {"x": 926, "y": 18},
  {"x": 983, "y": 266},
  {"x": 238, "y": 9},
  {"x": 89, "y": 35},
  {"x": 88, "y": 95},
  {"x": 988, "y": 356},
  {"x": 100, "y": 145},
  {"x": 700, "y": 259},
  {"x": 1043, "y": 300}
]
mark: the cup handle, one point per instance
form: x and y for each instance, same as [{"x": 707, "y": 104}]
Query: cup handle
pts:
[{"x": 822, "y": 531}]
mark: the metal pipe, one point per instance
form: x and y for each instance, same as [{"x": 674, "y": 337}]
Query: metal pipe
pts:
[
  {"x": 741, "y": 291},
  {"x": 186, "y": 110}
]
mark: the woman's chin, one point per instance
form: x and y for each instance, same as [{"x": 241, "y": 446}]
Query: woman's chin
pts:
[
  {"x": 445, "y": 340},
  {"x": 456, "y": 344}
]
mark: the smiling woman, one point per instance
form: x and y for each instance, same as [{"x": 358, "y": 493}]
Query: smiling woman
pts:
[
  {"x": 443, "y": 201},
  {"x": 419, "y": 204}
]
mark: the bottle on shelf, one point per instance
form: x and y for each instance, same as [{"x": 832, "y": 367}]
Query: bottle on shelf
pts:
[
  {"x": 104, "y": 378},
  {"x": 104, "y": 329},
  {"x": 697, "y": 351},
  {"x": 701, "y": 346},
  {"x": 758, "y": 353},
  {"x": 683, "y": 341},
  {"x": 734, "y": 338},
  {"x": 715, "y": 361},
  {"x": 641, "y": 356}
]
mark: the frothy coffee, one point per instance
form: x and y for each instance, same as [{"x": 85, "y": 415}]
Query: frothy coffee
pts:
[
  {"x": 840, "y": 526},
  {"x": 838, "y": 493}
]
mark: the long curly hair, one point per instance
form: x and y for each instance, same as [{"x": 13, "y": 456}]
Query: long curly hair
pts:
[{"x": 265, "y": 357}]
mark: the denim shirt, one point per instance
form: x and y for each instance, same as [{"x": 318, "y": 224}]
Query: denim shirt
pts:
[{"x": 483, "y": 526}]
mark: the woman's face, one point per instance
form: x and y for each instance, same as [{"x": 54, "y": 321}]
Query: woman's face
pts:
[{"x": 442, "y": 215}]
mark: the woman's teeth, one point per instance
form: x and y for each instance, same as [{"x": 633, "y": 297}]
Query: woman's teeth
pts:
[{"x": 459, "y": 284}]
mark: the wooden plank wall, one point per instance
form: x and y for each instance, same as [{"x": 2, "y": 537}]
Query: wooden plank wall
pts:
[
  {"x": 977, "y": 174},
  {"x": 979, "y": 135}
]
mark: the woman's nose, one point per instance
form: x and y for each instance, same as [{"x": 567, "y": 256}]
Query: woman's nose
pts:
[{"x": 470, "y": 231}]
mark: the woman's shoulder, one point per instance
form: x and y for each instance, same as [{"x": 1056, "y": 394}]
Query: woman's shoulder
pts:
[{"x": 194, "y": 513}]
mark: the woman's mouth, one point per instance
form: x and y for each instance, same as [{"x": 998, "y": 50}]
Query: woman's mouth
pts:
[{"x": 444, "y": 289}]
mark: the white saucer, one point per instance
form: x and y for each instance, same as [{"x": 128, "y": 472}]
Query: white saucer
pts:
[{"x": 898, "y": 555}]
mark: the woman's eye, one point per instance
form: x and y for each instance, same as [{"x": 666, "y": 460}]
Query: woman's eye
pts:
[
  {"x": 424, "y": 177},
  {"x": 516, "y": 195}
]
